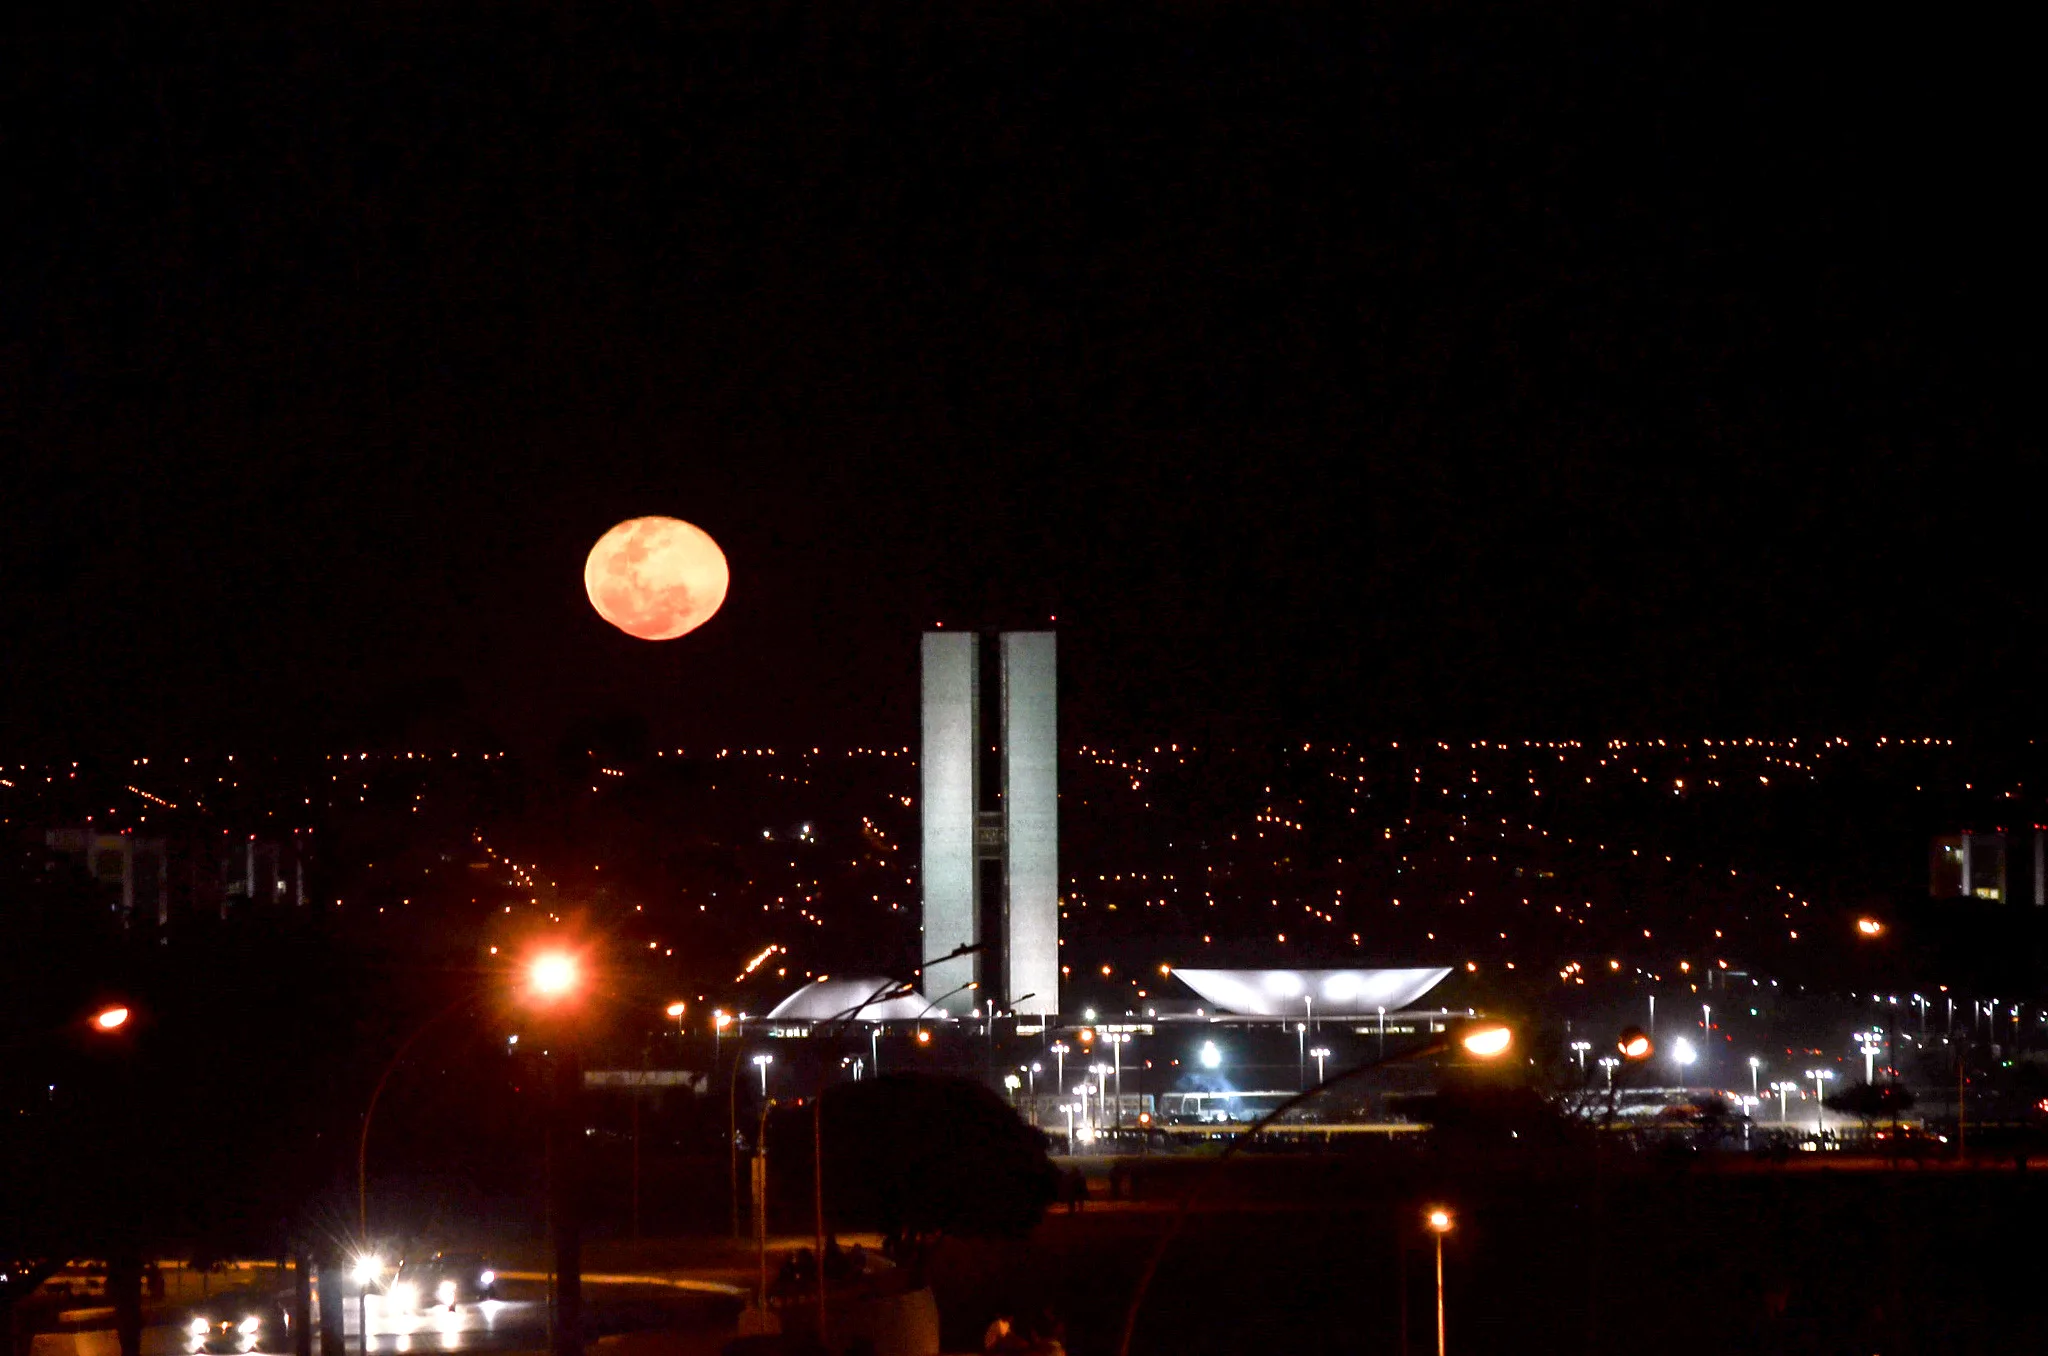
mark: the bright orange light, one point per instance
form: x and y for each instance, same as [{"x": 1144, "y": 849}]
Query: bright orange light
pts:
[
  {"x": 924, "y": 1037},
  {"x": 721, "y": 1020},
  {"x": 1087, "y": 1036},
  {"x": 1634, "y": 1045},
  {"x": 1438, "y": 1220},
  {"x": 1487, "y": 1041},
  {"x": 553, "y": 974},
  {"x": 674, "y": 1009},
  {"x": 1870, "y": 927},
  {"x": 110, "y": 1019}
]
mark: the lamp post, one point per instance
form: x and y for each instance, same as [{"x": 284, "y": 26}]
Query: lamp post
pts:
[
  {"x": 1784, "y": 1088},
  {"x": 1116, "y": 1041},
  {"x": 1755, "y": 1064},
  {"x": 1319, "y": 1054},
  {"x": 1580, "y": 1048},
  {"x": 1819, "y": 1076},
  {"x": 1101, "y": 1072},
  {"x": 1059, "y": 1055},
  {"x": 1870, "y": 1049},
  {"x": 1610, "y": 1063},
  {"x": 762, "y": 1062},
  {"x": 1383, "y": 1030},
  {"x": 1301, "y": 1054},
  {"x": 1706, "y": 1028},
  {"x": 1439, "y": 1221}
]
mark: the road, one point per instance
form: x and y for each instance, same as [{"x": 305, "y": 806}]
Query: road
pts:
[{"x": 518, "y": 1322}]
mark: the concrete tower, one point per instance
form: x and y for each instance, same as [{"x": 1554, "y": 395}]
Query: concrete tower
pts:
[{"x": 990, "y": 821}]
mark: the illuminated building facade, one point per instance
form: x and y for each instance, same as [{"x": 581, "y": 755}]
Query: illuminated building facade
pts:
[
  {"x": 989, "y": 819},
  {"x": 1998, "y": 868}
]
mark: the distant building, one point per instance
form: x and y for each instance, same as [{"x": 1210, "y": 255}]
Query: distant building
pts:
[
  {"x": 990, "y": 821},
  {"x": 1998, "y": 867},
  {"x": 133, "y": 871}
]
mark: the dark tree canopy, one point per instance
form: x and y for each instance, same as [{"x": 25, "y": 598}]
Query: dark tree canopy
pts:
[
  {"x": 1870, "y": 1101},
  {"x": 915, "y": 1154}
]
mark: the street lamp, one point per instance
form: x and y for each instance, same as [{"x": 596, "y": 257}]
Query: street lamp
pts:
[
  {"x": 1609, "y": 1063},
  {"x": 1819, "y": 1076},
  {"x": 1440, "y": 1223},
  {"x": 1580, "y": 1048},
  {"x": 1784, "y": 1088},
  {"x": 1682, "y": 1053},
  {"x": 1059, "y": 1054},
  {"x": 1870, "y": 1050},
  {"x": 110, "y": 1019},
  {"x": 762, "y": 1062},
  {"x": 1754, "y": 1065},
  {"x": 676, "y": 1010},
  {"x": 1320, "y": 1053},
  {"x": 1210, "y": 1056},
  {"x": 553, "y": 975}
]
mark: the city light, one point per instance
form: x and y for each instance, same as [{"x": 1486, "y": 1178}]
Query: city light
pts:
[
  {"x": 1634, "y": 1046},
  {"x": 1438, "y": 1219},
  {"x": 1682, "y": 1052},
  {"x": 369, "y": 1266},
  {"x": 1211, "y": 1056},
  {"x": 1870, "y": 927},
  {"x": 110, "y": 1019},
  {"x": 674, "y": 1009}
]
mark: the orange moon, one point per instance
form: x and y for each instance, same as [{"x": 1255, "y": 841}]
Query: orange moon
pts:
[{"x": 656, "y": 578}]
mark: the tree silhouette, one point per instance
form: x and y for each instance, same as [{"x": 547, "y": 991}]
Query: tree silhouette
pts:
[{"x": 916, "y": 1156}]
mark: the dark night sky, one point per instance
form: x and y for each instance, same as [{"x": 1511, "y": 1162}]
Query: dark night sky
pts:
[{"x": 1507, "y": 370}]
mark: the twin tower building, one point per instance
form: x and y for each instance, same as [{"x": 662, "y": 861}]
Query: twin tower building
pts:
[{"x": 990, "y": 815}]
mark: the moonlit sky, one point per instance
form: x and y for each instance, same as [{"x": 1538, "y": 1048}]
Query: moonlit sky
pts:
[{"x": 1322, "y": 374}]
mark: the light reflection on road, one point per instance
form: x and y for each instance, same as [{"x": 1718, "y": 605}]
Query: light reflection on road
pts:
[{"x": 467, "y": 1327}]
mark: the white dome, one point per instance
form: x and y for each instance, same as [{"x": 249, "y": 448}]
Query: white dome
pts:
[
  {"x": 854, "y": 1000},
  {"x": 1290, "y": 993}
]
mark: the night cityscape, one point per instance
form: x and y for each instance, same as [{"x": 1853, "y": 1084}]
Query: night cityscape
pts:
[{"x": 894, "y": 682}]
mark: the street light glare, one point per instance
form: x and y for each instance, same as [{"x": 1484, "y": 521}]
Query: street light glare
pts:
[
  {"x": 1634, "y": 1045},
  {"x": 553, "y": 974},
  {"x": 1870, "y": 927},
  {"x": 1438, "y": 1220},
  {"x": 674, "y": 1009},
  {"x": 111, "y": 1019},
  {"x": 1487, "y": 1041}
]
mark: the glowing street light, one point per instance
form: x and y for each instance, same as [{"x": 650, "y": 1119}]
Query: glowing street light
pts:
[
  {"x": 1754, "y": 1065},
  {"x": 1609, "y": 1063},
  {"x": 1634, "y": 1046},
  {"x": 1580, "y": 1048},
  {"x": 553, "y": 975},
  {"x": 1682, "y": 1053},
  {"x": 1819, "y": 1076},
  {"x": 1210, "y": 1056},
  {"x": 110, "y": 1019},
  {"x": 1319, "y": 1054},
  {"x": 1059, "y": 1054},
  {"x": 1440, "y": 1223},
  {"x": 1869, "y": 927},
  {"x": 762, "y": 1062},
  {"x": 1784, "y": 1088},
  {"x": 1870, "y": 1049}
]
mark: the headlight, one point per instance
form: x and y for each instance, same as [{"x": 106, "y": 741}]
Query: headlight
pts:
[
  {"x": 445, "y": 1292},
  {"x": 250, "y": 1324},
  {"x": 487, "y": 1278},
  {"x": 404, "y": 1295},
  {"x": 197, "y": 1327}
]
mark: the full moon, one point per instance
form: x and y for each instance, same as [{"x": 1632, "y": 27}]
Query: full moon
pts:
[{"x": 656, "y": 578}]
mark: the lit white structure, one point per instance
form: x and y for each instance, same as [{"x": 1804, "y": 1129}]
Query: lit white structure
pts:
[
  {"x": 961, "y": 836},
  {"x": 949, "y": 772},
  {"x": 1312, "y": 993},
  {"x": 853, "y": 1000}
]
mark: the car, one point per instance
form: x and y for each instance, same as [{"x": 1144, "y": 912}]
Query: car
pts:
[
  {"x": 238, "y": 1320},
  {"x": 443, "y": 1280}
]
